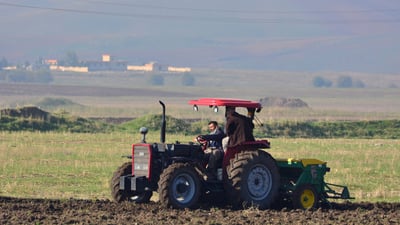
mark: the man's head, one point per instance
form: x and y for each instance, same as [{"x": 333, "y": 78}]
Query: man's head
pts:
[
  {"x": 212, "y": 125},
  {"x": 229, "y": 110}
]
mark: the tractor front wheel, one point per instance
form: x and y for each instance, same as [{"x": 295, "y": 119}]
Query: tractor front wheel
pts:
[
  {"x": 179, "y": 186},
  {"x": 127, "y": 195},
  {"x": 252, "y": 180},
  {"x": 305, "y": 197}
]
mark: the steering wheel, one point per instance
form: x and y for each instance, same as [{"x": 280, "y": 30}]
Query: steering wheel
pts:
[{"x": 203, "y": 142}]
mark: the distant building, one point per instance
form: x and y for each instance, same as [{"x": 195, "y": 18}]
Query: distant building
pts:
[
  {"x": 77, "y": 69},
  {"x": 105, "y": 66},
  {"x": 108, "y": 64},
  {"x": 51, "y": 62},
  {"x": 148, "y": 67},
  {"x": 179, "y": 69},
  {"x": 106, "y": 58},
  {"x": 10, "y": 68},
  {"x": 153, "y": 66}
]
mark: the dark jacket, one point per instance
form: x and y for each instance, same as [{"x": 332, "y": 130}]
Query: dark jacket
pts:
[
  {"x": 239, "y": 128},
  {"x": 215, "y": 139}
]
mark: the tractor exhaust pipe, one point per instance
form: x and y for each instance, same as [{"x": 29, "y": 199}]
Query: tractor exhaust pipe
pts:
[{"x": 163, "y": 123}]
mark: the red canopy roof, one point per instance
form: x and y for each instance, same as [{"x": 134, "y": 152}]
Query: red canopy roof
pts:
[{"x": 226, "y": 102}]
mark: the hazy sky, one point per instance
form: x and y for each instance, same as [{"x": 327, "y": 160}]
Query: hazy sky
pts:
[{"x": 307, "y": 35}]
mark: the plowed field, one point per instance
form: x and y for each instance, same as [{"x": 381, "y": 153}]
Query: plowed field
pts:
[{"x": 73, "y": 211}]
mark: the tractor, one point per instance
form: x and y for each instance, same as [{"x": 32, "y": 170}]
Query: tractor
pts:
[{"x": 248, "y": 176}]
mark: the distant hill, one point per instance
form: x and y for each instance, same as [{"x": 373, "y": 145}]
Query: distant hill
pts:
[
  {"x": 31, "y": 118},
  {"x": 57, "y": 103},
  {"x": 283, "y": 102},
  {"x": 31, "y": 112}
]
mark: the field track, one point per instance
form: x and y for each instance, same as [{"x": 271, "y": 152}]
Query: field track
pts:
[
  {"x": 12, "y": 89},
  {"x": 73, "y": 211}
]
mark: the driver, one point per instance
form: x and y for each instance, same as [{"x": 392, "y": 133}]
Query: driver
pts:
[{"x": 214, "y": 152}]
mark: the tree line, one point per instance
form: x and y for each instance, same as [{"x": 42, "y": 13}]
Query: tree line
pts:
[{"x": 341, "y": 82}]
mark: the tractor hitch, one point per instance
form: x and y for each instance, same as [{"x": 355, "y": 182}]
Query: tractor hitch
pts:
[{"x": 336, "y": 191}]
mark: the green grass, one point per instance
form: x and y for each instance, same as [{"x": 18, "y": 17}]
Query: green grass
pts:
[
  {"x": 64, "y": 122},
  {"x": 58, "y": 165},
  {"x": 80, "y": 165}
]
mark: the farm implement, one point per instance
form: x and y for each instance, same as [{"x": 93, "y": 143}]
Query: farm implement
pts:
[{"x": 303, "y": 184}]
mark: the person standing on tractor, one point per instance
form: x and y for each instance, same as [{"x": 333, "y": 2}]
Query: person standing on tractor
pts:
[
  {"x": 239, "y": 128},
  {"x": 214, "y": 151}
]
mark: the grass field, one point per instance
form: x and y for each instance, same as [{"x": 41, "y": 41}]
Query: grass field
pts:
[{"x": 65, "y": 165}]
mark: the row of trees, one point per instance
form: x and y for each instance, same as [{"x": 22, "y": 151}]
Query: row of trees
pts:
[
  {"x": 158, "y": 80},
  {"x": 37, "y": 76},
  {"x": 341, "y": 82},
  {"x": 45, "y": 76},
  {"x": 3, "y": 63}
]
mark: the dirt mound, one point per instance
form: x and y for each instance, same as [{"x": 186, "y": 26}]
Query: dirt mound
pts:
[
  {"x": 73, "y": 211},
  {"x": 56, "y": 102},
  {"x": 26, "y": 112},
  {"x": 283, "y": 102}
]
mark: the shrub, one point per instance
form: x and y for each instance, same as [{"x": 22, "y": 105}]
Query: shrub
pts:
[
  {"x": 359, "y": 84},
  {"x": 345, "y": 82},
  {"x": 321, "y": 82},
  {"x": 157, "y": 80},
  {"x": 188, "y": 80},
  {"x": 153, "y": 123}
]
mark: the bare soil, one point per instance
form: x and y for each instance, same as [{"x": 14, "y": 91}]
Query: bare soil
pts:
[{"x": 74, "y": 211}]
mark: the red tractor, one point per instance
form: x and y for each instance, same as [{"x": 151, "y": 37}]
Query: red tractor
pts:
[{"x": 248, "y": 176}]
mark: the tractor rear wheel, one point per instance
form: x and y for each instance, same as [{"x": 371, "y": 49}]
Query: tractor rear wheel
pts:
[
  {"x": 252, "y": 180},
  {"x": 127, "y": 195},
  {"x": 305, "y": 197},
  {"x": 179, "y": 186}
]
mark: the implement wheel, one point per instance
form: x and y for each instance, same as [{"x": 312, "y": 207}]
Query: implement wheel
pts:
[
  {"x": 127, "y": 195},
  {"x": 179, "y": 186},
  {"x": 305, "y": 197}
]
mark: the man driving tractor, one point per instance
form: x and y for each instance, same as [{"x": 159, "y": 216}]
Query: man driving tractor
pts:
[
  {"x": 214, "y": 152},
  {"x": 238, "y": 128}
]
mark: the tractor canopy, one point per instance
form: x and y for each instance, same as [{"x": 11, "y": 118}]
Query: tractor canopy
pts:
[{"x": 227, "y": 102}]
